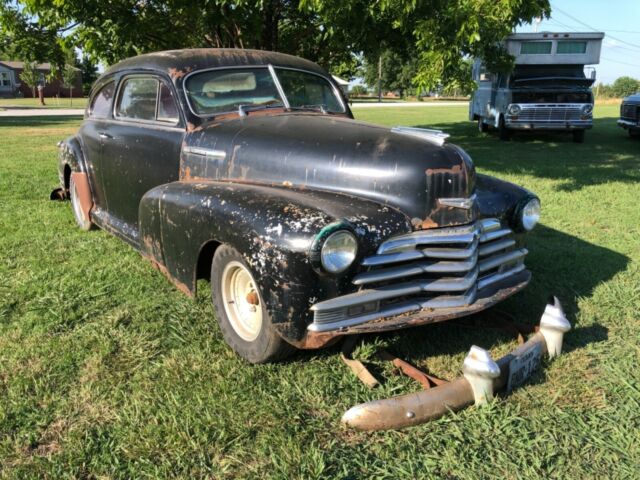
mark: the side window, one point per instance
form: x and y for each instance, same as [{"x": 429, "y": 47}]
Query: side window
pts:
[
  {"x": 100, "y": 106},
  {"x": 167, "y": 108},
  {"x": 138, "y": 98}
]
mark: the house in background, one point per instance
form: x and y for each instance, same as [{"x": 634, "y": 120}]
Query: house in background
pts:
[{"x": 11, "y": 85}]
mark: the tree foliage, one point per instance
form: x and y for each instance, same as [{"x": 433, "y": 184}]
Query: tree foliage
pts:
[
  {"x": 30, "y": 76},
  {"x": 625, "y": 86},
  {"x": 436, "y": 34}
]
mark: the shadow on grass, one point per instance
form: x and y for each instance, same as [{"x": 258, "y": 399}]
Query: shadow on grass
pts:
[
  {"x": 608, "y": 154},
  {"x": 562, "y": 265}
]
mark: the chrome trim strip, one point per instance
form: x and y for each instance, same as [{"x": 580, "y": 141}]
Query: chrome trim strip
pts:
[
  {"x": 498, "y": 260},
  {"x": 490, "y": 236},
  {"x": 205, "y": 152},
  {"x": 494, "y": 247},
  {"x": 465, "y": 203},
  {"x": 448, "y": 284},
  {"x": 278, "y": 85},
  {"x": 437, "y": 137},
  {"x": 496, "y": 277},
  {"x": 414, "y": 269}
]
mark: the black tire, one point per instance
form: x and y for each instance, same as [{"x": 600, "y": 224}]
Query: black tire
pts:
[
  {"x": 633, "y": 133},
  {"x": 578, "y": 136},
  {"x": 83, "y": 222},
  {"x": 482, "y": 127},
  {"x": 503, "y": 132},
  {"x": 267, "y": 346}
]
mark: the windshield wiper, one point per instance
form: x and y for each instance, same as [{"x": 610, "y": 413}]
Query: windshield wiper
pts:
[
  {"x": 316, "y": 108},
  {"x": 244, "y": 109}
]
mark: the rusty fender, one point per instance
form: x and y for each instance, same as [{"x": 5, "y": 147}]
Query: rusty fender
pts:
[
  {"x": 273, "y": 228},
  {"x": 482, "y": 376}
]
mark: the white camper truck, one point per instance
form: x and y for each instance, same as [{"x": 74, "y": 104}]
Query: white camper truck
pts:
[{"x": 547, "y": 90}]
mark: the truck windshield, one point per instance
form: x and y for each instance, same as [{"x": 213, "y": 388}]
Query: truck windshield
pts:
[{"x": 226, "y": 90}]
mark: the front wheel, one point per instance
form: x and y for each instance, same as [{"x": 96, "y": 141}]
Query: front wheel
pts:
[
  {"x": 503, "y": 132},
  {"x": 482, "y": 127},
  {"x": 240, "y": 309},
  {"x": 83, "y": 220},
  {"x": 578, "y": 136}
]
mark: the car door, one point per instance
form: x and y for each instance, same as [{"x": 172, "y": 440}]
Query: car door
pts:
[
  {"x": 141, "y": 148},
  {"x": 91, "y": 134}
]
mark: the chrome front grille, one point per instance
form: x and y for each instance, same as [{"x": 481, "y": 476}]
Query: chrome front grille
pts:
[
  {"x": 629, "y": 111},
  {"x": 549, "y": 113},
  {"x": 436, "y": 268}
]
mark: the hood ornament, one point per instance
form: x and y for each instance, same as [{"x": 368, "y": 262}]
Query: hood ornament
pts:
[
  {"x": 437, "y": 137},
  {"x": 464, "y": 203}
]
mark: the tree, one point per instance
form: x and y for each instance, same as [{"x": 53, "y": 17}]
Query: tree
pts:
[
  {"x": 30, "y": 76},
  {"x": 89, "y": 72},
  {"x": 625, "y": 86},
  {"x": 69, "y": 74},
  {"x": 335, "y": 33}
]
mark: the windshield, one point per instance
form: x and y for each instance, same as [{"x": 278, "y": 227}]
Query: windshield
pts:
[{"x": 225, "y": 90}]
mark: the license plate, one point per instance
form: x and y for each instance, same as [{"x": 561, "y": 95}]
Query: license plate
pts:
[{"x": 522, "y": 366}]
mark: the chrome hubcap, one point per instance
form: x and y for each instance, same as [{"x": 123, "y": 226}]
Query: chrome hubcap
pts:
[{"x": 241, "y": 301}]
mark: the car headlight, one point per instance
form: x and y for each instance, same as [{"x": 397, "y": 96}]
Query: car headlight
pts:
[
  {"x": 514, "y": 109},
  {"x": 339, "y": 251},
  {"x": 530, "y": 214},
  {"x": 587, "y": 109}
]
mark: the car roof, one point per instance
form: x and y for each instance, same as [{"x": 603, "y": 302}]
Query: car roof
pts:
[{"x": 178, "y": 63}]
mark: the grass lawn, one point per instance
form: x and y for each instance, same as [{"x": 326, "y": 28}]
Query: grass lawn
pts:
[
  {"x": 49, "y": 103},
  {"x": 107, "y": 371}
]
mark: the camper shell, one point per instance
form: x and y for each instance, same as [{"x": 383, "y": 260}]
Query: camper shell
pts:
[{"x": 548, "y": 89}]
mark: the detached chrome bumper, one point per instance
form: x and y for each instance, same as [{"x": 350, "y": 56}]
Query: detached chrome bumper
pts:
[{"x": 428, "y": 276}]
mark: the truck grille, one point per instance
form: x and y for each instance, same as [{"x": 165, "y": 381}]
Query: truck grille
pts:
[
  {"x": 629, "y": 111},
  {"x": 550, "y": 113},
  {"x": 436, "y": 268}
]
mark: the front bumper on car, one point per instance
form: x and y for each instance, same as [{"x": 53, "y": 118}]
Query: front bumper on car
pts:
[
  {"x": 428, "y": 276},
  {"x": 550, "y": 117},
  {"x": 629, "y": 124}
]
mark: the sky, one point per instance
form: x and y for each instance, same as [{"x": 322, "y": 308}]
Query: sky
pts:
[{"x": 618, "y": 19}]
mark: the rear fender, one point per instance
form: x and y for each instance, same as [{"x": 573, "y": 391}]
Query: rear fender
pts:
[{"x": 70, "y": 160}]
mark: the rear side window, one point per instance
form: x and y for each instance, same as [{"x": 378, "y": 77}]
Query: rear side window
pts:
[
  {"x": 101, "y": 104},
  {"x": 535, "y": 48},
  {"x": 138, "y": 99},
  {"x": 569, "y": 47},
  {"x": 148, "y": 99}
]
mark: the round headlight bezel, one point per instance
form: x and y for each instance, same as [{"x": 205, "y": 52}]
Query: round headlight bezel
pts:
[
  {"x": 529, "y": 214},
  {"x": 587, "y": 109},
  {"x": 514, "y": 109},
  {"x": 334, "y": 260}
]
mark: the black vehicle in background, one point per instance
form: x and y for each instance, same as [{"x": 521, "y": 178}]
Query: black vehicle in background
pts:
[
  {"x": 247, "y": 168},
  {"x": 630, "y": 115}
]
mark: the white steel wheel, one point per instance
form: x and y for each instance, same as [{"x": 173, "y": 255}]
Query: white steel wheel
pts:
[
  {"x": 81, "y": 219},
  {"x": 241, "y": 301}
]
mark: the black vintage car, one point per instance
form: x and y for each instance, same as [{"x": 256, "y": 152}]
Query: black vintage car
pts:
[
  {"x": 630, "y": 115},
  {"x": 247, "y": 168}
]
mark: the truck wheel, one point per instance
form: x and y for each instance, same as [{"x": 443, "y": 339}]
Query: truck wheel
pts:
[
  {"x": 482, "y": 127},
  {"x": 83, "y": 221},
  {"x": 633, "y": 133},
  {"x": 578, "y": 136},
  {"x": 503, "y": 132},
  {"x": 240, "y": 310}
]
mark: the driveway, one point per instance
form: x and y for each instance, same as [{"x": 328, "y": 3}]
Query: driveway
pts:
[{"x": 39, "y": 112}]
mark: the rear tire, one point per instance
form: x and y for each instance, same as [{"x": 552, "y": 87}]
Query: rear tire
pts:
[
  {"x": 578, "y": 136},
  {"x": 84, "y": 222},
  {"x": 240, "y": 310},
  {"x": 482, "y": 127},
  {"x": 503, "y": 132},
  {"x": 633, "y": 133}
]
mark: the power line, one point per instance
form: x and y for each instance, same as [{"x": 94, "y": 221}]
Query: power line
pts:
[
  {"x": 594, "y": 29},
  {"x": 618, "y": 61}
]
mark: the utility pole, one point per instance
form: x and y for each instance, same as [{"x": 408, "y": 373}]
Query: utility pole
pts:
[{"x": 380, "y": 78}]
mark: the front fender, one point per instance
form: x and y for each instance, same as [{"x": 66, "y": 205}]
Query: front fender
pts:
[{"x": 272, "y": 227}]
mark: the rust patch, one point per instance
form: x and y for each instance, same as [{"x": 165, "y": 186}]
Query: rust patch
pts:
[
  {"x": 425, "y": 224},
  {"x": 190, "y": 127},
  {"x": 162, "y": 269},
  {"x": 456, "y": 169},
  {"x": 175, "y": 73},
  {"x": 84, "y": 192}
]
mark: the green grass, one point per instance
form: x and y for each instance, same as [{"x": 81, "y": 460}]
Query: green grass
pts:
[
  {"x": 35, "y": 103},
  {"x": 107, "y": 371}
]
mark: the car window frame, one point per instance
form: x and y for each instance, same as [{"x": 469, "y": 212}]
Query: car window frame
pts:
[
  {"x": 271, "y": 68},
  {"x": 155, "y": 122},
  {"x": 97, "y": 88}
]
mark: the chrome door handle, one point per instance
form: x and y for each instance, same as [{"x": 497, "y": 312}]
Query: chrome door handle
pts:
[{"x": 104, "y": 136}]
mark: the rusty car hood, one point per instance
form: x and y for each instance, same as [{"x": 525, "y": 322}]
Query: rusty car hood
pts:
[{"x": 326, "y": 152}]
